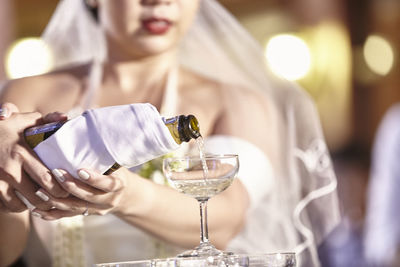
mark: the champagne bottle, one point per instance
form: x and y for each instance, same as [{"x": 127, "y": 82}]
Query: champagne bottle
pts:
[{"x": 182, "y": 129}]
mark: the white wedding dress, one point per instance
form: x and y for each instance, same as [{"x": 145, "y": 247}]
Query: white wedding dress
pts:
[{"x": 110, "y": 239}]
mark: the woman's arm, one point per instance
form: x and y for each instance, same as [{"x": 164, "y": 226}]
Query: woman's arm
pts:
[
  {"x": 14, "y": 228},
  {"x": 157, "y": 209},
  {"x": 17, "y": 163},
  {"x": 175, "y": 217}
]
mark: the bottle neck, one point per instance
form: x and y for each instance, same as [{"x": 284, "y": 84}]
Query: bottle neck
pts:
[{"x": 183, "y": 128}]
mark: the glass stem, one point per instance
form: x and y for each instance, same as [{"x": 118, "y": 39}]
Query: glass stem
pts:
[{"x": 203, "y": 222}]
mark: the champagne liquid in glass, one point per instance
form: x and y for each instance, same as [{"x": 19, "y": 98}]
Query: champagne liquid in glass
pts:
[
  {"x": 202, "y": 177},
  {"x": 200, "y": 190}
]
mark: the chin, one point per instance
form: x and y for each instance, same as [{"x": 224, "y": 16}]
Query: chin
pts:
[{"x": 154, "y": 47}]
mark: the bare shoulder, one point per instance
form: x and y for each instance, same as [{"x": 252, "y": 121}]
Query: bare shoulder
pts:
[
  {"x": 200, "y": 96},
  {"x": 232, "y": 109},
  {"x": 215, "y": 91},
  {"x": 245, "y": 99},
  {"x": 55, "y": 91},
  {"x": 247, "y": 113},
  {"x": 222, "y": 93}
]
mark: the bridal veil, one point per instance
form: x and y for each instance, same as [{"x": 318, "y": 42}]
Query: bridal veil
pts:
[{"x": 302, "y": 206}]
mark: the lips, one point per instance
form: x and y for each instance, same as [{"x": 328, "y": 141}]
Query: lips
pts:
[{"x": 156, "y": 26}]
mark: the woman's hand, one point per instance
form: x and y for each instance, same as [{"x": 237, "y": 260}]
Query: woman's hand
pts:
[
  {"x": 21, "y": 171},
  {"x": 149, "y": 206},
  {"x": 92, "y": 193}
]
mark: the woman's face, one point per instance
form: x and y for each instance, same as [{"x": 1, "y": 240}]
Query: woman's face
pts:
[{"x": 140, "y": 28}]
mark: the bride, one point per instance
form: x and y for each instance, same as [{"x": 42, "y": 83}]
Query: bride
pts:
[{"x": 183, "y": 57}]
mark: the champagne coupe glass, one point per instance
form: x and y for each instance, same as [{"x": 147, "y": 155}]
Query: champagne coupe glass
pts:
[{"x": 201, "y": 178}]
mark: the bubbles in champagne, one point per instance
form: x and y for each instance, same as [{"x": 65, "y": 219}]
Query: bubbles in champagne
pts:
[{"x": 203, "y": 191}]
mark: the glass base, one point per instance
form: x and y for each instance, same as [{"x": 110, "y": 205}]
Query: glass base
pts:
[{"x": 204, "y": 250}]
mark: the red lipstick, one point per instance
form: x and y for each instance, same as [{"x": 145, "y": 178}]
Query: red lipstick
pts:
[{"x": 156, "y": 26}]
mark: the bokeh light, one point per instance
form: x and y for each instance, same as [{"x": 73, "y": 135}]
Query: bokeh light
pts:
[
  {"x": 288, "y": 56},
  {"x": 28, "y": 57},
  {"x": 378, "y": 54}
]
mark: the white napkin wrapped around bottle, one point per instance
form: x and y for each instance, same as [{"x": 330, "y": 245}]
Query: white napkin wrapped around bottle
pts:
[{"x": 128, "y": 134}]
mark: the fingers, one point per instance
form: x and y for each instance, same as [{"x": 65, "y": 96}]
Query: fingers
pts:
[
  {"x": 76, "y": 187},
  {"x": 91, "y": 187},
  {"x": 27, "y": 203},
  {"x": 68, "y": 207},
  {"x": 34, "y": 168},
  {"x": 23, "y": 156},
  {"x": 55, "y": 116},
  {"x": 41, "y": 175},
  {"x": 9, "y": 199},
  {"x": 13, "y": 193},
  {"x": 56, "y": 214},
  {"x": 106, "y": 183},
  {"x": 26, "y": 120},
  {"x": 28, "y": 193},
  {"x": 85, "y": 193},
  {"x": 7, "y": 109},
  {"x": 4, "y": 113},
  {"x": 21, "y": 171},
  {"x": 98, "y": 194}
]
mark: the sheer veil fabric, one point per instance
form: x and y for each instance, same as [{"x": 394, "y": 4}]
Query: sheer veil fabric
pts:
[{"x": 302, "y": 207}]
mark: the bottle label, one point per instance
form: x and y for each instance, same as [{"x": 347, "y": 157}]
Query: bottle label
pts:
[{"x": 49, "y": 127}]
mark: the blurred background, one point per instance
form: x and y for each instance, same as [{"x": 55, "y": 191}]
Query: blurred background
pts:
[{"x": 345, "y": 53}]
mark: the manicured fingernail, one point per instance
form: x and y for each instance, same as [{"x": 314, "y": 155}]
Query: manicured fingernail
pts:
[
  {"x": 34, "y": 213},
  {"x": 25, "y": 201},
  {"x": 58, "y": 174},
  {"x": 42, "y": 195},
  {"x": 83, "y": 175},
  {"x": 3, "y": 112}
]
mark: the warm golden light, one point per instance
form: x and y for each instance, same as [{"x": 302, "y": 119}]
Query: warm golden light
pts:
[
  {"x": 288, "y": 56},
  {"x": 378, "y": 54},
  {"x": 28, "y": 57}
]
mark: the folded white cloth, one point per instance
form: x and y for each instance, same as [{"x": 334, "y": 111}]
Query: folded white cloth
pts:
[{"x": 128, "y": 134}]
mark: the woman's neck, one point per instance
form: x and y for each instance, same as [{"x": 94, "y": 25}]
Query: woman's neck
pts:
[{"x": 133, "y": 75}]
